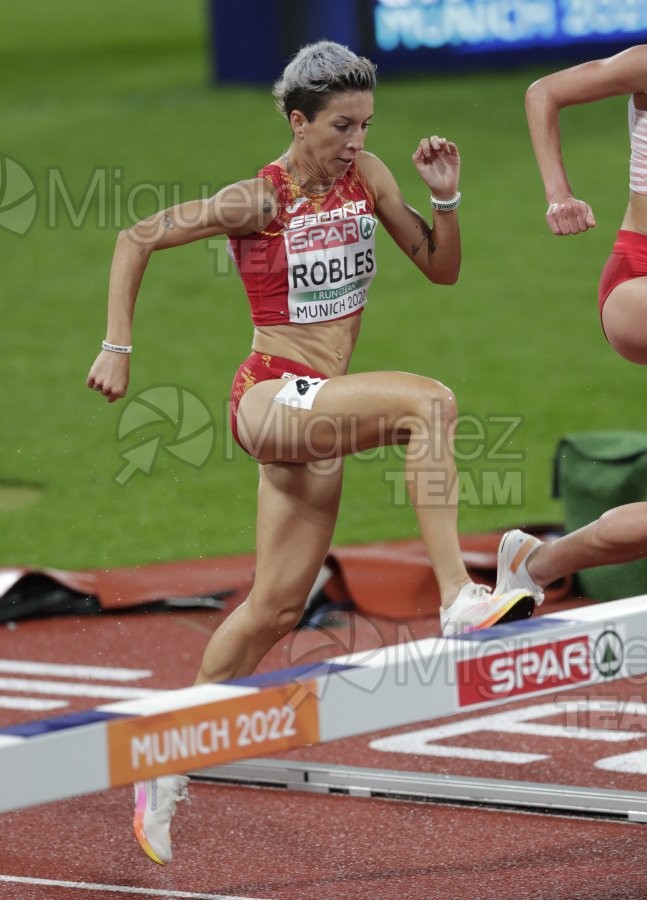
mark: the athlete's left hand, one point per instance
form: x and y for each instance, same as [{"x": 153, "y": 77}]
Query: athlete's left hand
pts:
[{"x": 438, "y": 162}]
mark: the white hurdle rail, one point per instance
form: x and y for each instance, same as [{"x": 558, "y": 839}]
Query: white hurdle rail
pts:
[{"x": 209, "y": 725}]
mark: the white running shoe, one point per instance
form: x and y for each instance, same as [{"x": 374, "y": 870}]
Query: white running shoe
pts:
[
  {"x": 155, "y": 802},
  {"x": 477, "y": 607},
  {"x": 515, "y": 551}
]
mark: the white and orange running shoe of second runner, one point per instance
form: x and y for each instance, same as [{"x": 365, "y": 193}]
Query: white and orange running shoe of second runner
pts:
[{"x": 515, "y": 552}]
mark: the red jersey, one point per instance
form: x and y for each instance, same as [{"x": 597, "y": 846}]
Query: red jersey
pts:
[{"x": 316, "y": 259}]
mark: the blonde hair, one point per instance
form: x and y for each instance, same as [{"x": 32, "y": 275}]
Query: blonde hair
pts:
[{"x": 317, "y": 72}]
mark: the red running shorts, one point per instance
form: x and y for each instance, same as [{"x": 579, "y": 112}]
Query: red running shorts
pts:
[
  {"x": 628, "y": 260},
  {"x": 262, "y": 367}
]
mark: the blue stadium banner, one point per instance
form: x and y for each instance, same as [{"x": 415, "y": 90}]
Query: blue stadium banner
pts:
[
  {"x": 415, "y": 35},
  {"x": 476, "y": 26}
]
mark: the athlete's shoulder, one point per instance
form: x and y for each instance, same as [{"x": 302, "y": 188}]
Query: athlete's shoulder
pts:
[
  {"x": 376, "y": 173},
  {"x": 273, "y": 172},
  {"x": 370, "y": 165},
  {"x": 247, "y": 206},
  {"x": 274, "y": 192}
]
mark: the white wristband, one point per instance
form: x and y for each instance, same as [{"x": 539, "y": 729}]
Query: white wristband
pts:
[
  {"x": 116, "y": 348},
  {"x": 446, "y": 205}
]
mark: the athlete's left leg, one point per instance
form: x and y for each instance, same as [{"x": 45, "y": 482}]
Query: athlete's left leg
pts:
[{"x": 297, "y": 510}]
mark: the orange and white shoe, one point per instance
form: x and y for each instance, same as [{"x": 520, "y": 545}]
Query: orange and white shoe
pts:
[
  {"x": 477, "y": 607},
  {"x": 155, "y": 803},
  {"x": 515, "y": 550}
]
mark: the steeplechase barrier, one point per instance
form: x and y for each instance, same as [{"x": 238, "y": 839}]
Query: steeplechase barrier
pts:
[{"x": 211, "y": 725}]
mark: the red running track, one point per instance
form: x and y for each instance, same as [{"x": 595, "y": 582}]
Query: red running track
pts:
[{"x": 263, "y": 843}]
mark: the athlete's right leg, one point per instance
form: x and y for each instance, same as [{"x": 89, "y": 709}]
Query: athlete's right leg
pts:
[
  {"x": 353, "y": 413},
  {"x": 624, "y": 319}
]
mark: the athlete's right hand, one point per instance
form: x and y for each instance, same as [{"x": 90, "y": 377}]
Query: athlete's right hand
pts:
[
  {"x": 570, "y": 216},
  {"x": 109, "y": 375}
]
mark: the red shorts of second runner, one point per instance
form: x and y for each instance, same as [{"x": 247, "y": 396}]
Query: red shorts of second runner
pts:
[
  {"x": 263, "y": 367},
  {"x": 628, "y": 260}
]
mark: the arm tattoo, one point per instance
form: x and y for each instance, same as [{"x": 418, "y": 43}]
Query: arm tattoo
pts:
[
  {"x": 168, "y": 222},
  {"x": 426, "y": 238}
]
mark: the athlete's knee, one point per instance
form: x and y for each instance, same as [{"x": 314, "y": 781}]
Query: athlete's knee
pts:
[
  {"x": 433, "y": 405},
  {"x": 282, "y": 620},
  {"x": 622, "y": 526},
  {"x": 276, "y": 613},
  {"x": 445, "y": 401}
]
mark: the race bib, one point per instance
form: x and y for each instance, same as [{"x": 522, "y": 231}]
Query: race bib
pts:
[
  {"x": 330, "y": 267},
  {"x": 300, "y": 391}
]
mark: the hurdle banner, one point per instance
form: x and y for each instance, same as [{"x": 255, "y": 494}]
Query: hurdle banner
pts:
[{"x": 360, "y": 693}]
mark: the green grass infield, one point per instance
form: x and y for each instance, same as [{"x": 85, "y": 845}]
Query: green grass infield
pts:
[{"x": 108, "y": 114}]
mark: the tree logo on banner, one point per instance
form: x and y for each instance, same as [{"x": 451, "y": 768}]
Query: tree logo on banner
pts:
[
  {"x": 185, "y": 416},
  {"x": 609, "y": 653}
]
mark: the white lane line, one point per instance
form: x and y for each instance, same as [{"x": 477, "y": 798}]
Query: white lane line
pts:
[
  {"x": 30, "y": 704},
  {"x": 118, "y": 888},
  {"x": 99, "y": 673},
  {"x": 521, "y": 721},
  {"x": 631, "y": 763},
  {"x": 67, "y": 689}
]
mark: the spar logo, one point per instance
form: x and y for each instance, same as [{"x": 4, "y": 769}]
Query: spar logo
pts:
[
  {"x": 323, "y": 237},
  {"x": 609, "y": 653},
  {"x": 500, "y": 676},
  {"x": 366, "y": 226}
]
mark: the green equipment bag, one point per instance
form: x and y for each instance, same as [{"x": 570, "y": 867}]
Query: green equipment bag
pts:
[{"x": 593, "y": 472}]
